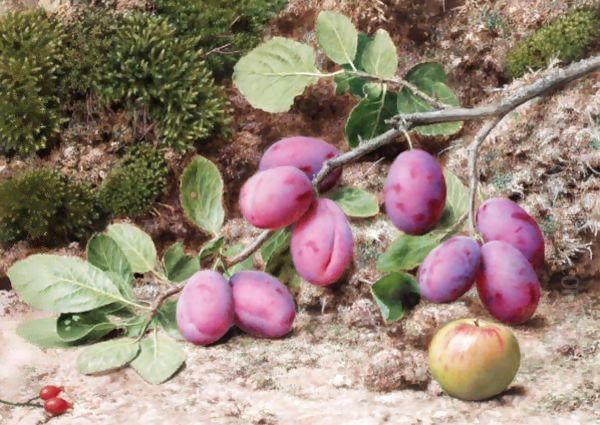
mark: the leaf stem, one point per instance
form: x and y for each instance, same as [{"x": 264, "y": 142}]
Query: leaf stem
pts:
[{"x": 304, "y": 74}]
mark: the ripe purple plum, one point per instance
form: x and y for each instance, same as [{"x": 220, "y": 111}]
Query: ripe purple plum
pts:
[
  {"x": 305, "y": 153},
  {"x": 205, "y": 308},
  {"x": 449, "y": 270},
  {"x": 415, "y": 192},
  {"x": 507, "y": 283},
  {"x": 322, "y": 244},
  {"x": 501, "y": 219},
  {"x": 263, "y": 306},
  {"x": 276, "y": 197},
  {"x": 474, "y": 359}
]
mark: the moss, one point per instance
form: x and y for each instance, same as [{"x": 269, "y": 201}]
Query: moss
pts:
[
  {"x": 135, "y": 182},
  {"x": 150, "y": 69},
  {"x": 31, "y": 61},
  {"x": 43, "y": 206},
  {"x": 225, "y": 28},
  {"x": 566, "y": 38}
]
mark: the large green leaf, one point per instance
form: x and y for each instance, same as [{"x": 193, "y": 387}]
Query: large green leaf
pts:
[
  {"x": 160, "y": 358},
  {"x": 107, "y": 355},
  {"x": 337, "y": 37},
  {"x": 380, "y": 57},
  {"x": 136, "y": 244},
  {"x": 457, "y": 201},
  {"x": 104, "y": 253},
  {"x": 394, "y": 294},
  {"x": 201, "y": 194},
  {"x": 42, "y": 332},
  {"x": 276, "y": 244},
  {"x": 408, "y": 251},
  {"x": 62, "y": 284},
  {"x": 91, "y": 325},
  {"x": 178, "y": 265},
  {"x": 274, "y": 73},
  {"x": 355, "y": 202},
  {"x": 368, "y": 117}
]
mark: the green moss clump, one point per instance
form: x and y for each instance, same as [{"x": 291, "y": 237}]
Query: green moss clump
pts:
[
  {"x": 135, "y": 182},
  {"x": 31, "y": 59},
  {"x": 43, "y": 206},
  {"x": 565, "y": 38},
  {"x": 150, "y": 69},
  {"x": 226, "y": 28}
]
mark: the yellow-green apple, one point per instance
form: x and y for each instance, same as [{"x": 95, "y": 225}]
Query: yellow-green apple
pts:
[{"x": 474, "y": 359}]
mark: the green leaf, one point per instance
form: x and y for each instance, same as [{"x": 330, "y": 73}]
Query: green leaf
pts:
[
  {"x": 431, "y": 71},
  {"x": 91, "y": 325},
  {"x": 104, "y": 253},
  {"x": 394, "y": 294},
  {"x": 350, "y": 83},
  {"x": 274, "y": 73},
  {"x": 134, "y": 326},
  {"x": 407, "y": 252},
  {"x": 232, "y": 251},
  {"x": 178, "y": 265},
  {"x": 166, "y": 317},
  {"x": 107, "y": 355},
  {"x": 276, "y": 244},
  {"x": 282, "y": 267},
  {"x": 62, "y": 284},
  {"x": 379, "y": 57},
  {"x": 211, "y": 248},
  {"x": 337, "y": 37},
  {"x": 201, "y": 194},
  {"x": 160, "y": 358},
  {"x": 42, "y": 332},
  {"x": 136, "y": 244},
  {"x": 355, "y": 202},
  {"x": 368, "y": 117},
  {"x": 457, "y": 201}
]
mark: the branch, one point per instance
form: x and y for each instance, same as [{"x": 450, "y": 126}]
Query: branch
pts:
[
  {"x": 28, "y": 403},
  {"x": 250, "y": 249}
]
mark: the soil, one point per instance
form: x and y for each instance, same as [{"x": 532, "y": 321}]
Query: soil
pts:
[{"x": 342, "y": 364}]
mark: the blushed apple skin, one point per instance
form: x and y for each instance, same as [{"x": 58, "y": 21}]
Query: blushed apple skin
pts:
[
  {"x": 507, "y": 284},
  {"x": 205, "y": 308},
  {"x": 263, "y": 306},
  {"x": 501, "y": 219},
  {"x": 322, "y": 244},
  {"x": 415, "y": 192},
  {"x": 276, "y": 197},
  {"x": 474, "y": 359},
  {"x": 449, "y": 270},
  {"x": 305, "y": 153}
]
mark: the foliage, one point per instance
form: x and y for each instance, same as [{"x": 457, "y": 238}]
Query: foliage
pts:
[
  {"x": 152, "y": 70},
  {"x": 566, "y": 38},
  {"x": 31, "y": 58},
  {"x": 44, "y": 206},
  {"x": 224, "y": 30},
  {"x": 135, "y": 182}
]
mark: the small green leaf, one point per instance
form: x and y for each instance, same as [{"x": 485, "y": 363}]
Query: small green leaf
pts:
[
  {"x": 368, "y": 117},
  {"x": 457, "y": 201},
  {"x": 395, "y": 293},
  {"x": 104, "y": 253},
  {"x": 431, "y": 71},
  {"x": 91, "y": 325},
  {"x": 211, "y": 248},
  {"x": 159, "y": 359},
  {"x": 201, "y": 193},
  {"x": 134, "y": 326},
  {"x": 42, "y": 332},
  {"x": 276, "y": 244},
  {"x": 407, "y": 252},
  {"x": 380, "y": 57},
  {"x": 107, "y": 355},
  {"x": 274, "y": 73},
  {"x": 282, "y": 267},
  {"x": 337, "y": 37},
  {"x": 232, "y": 251},
  {"x": 60, "y": 284},
  {"x": 373, "y": 91},
  {"x": 167, "y": 320},
  {"x": 136, "y": 244},
  {"x": 178, "y": 265},
  {"x": 355, "y": 202}
]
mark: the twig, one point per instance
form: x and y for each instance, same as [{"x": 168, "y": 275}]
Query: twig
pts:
[
  {"x": 27, "y": 403},
  {"x": 250, "y": 249}
]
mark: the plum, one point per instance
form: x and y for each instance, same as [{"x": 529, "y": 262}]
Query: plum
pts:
[
  {"x": 322, "y": 244},
  {"x": 415, "y": 192},
  {"x": 263, "y": 306},
  {"x": 276, "y": 197},
  {"x": 501, "y": 219},
  {"x": 449, "y": 270},
  {"x": 507, "y": 283},
  {"x": 205, "y": 308},
  {"x": 306, "y": 153}
]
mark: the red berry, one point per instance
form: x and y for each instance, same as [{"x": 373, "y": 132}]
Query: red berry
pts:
[
  {"x": 56, "y": 406},
  {"x": 49, "y": 391}
]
